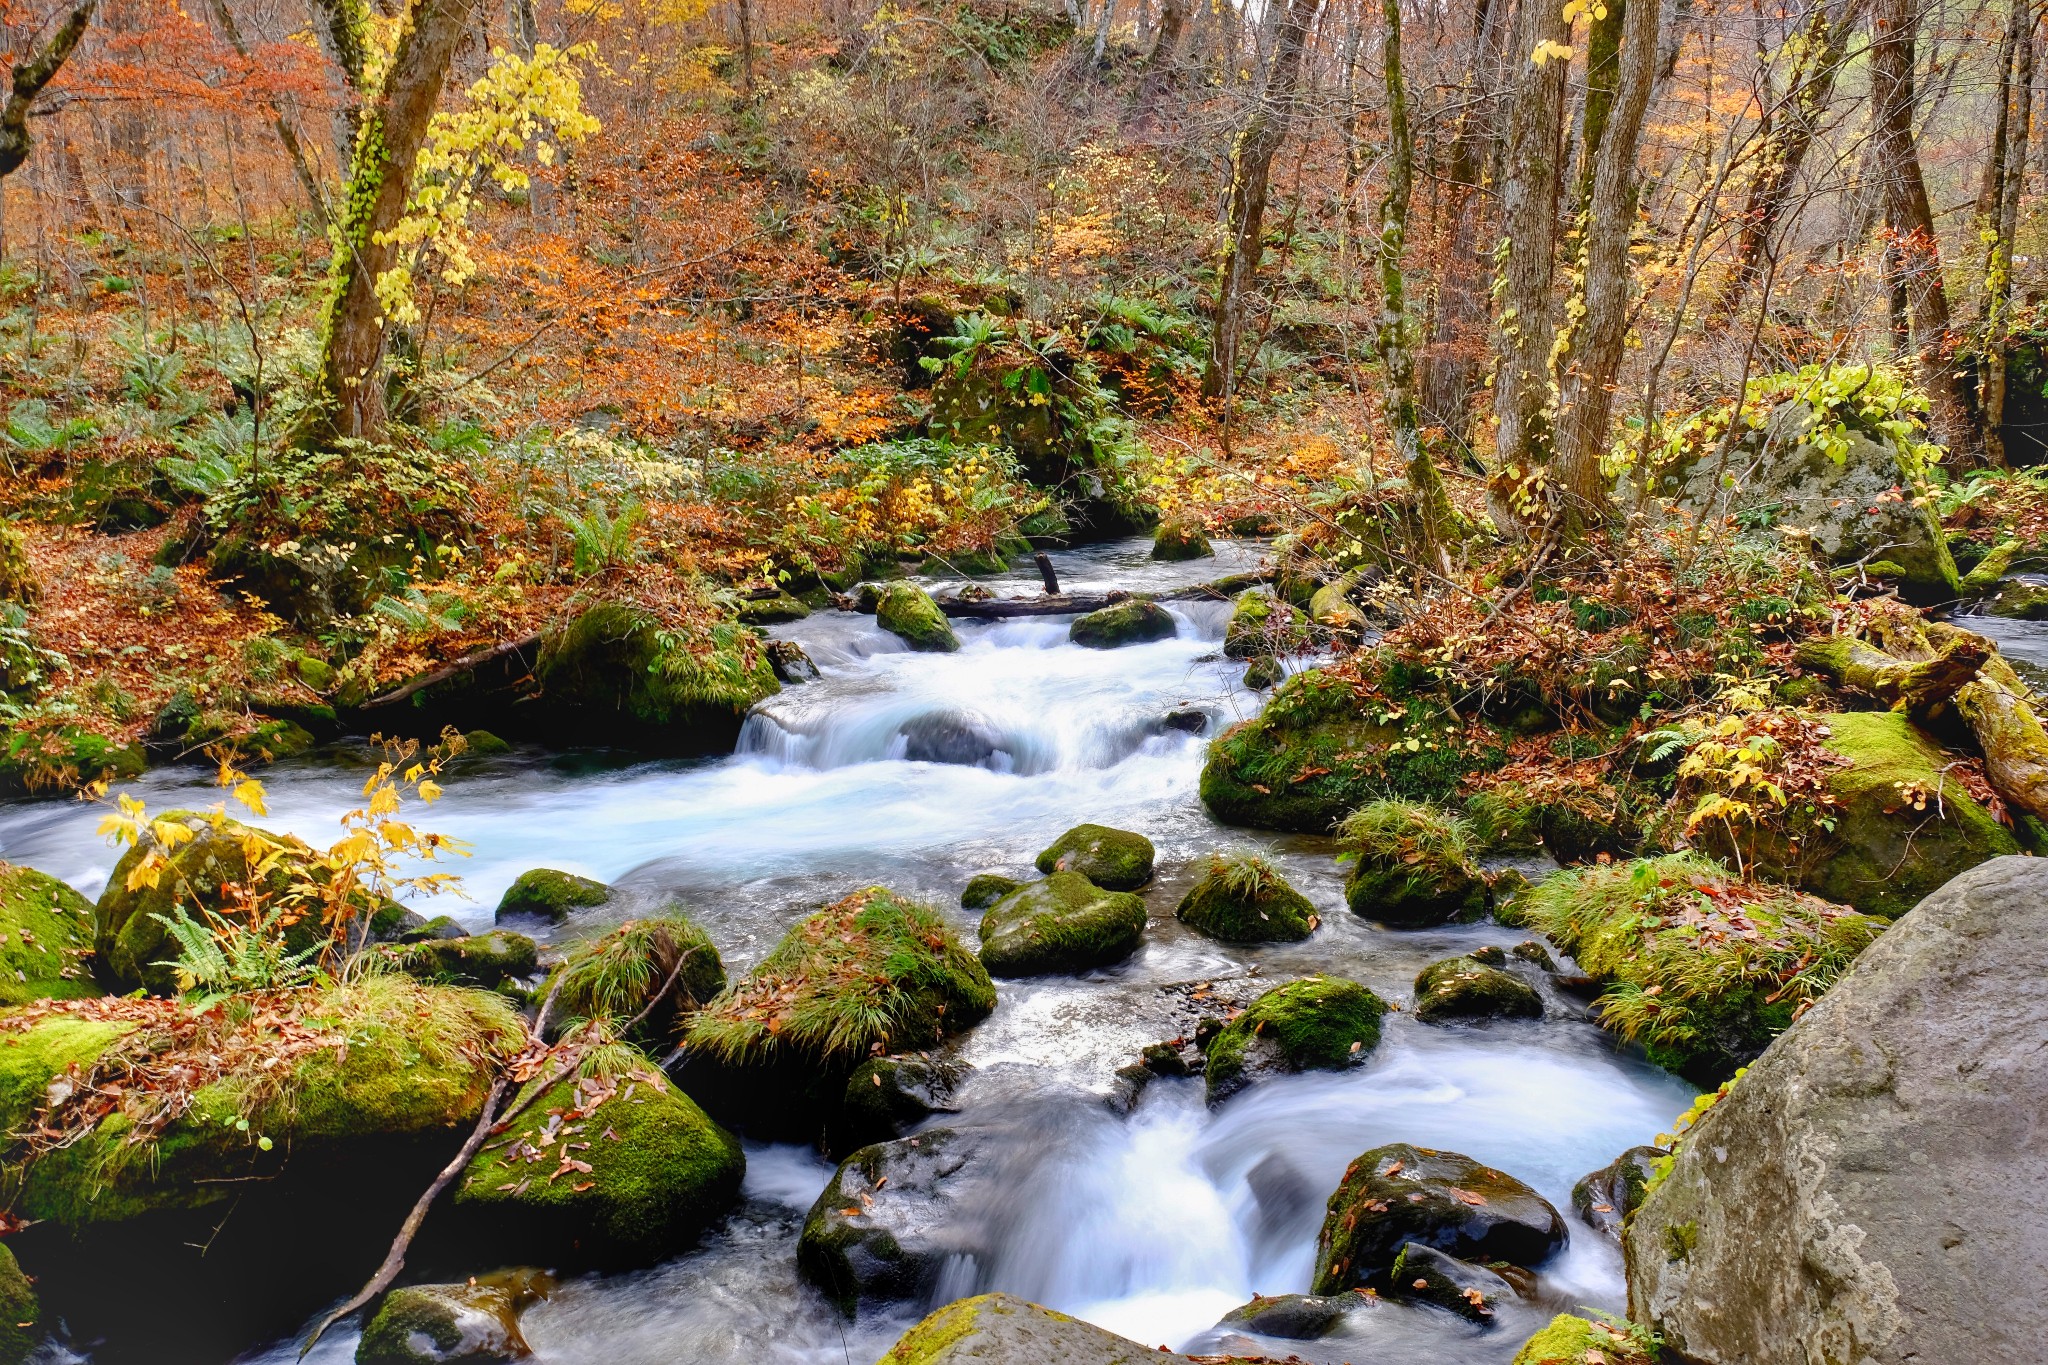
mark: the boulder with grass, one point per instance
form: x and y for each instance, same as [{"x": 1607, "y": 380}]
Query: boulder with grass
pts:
[
  {"x": 997, "y": 1329},
  {"x": 1398, "y": 1194},
  {"x": 908, "y": 612},
  {"x": 1260, "y": 625},
  {"x": 1065, "y": 923},
  {"x": 893, "y": 1216},
  {"x": 476, "y": 1323},
  {"x": 547, "y": 894},
  {"x": 1114, "y": 859},
  {"x": 1466, "y": 988},
  {"x": 873, "y": 972},
  {"x": 1413, "y": 865},
  {"x": 985, "y": 889},
  {"x": 1699, "y": 967},
  {"x": 615, "y": 671},
  {"x": 646, "y": 975},
  {"x": 611, "y": 1165},
  {"x": 1323, "y": 1023},
  {"x": 46, "y": 932},
  {"x": 1570, "y": 1340},
  {"x": 1245, "y": 900},
  {"x": 1131, "y": 622},
  {"x": 482, "y": 960}
]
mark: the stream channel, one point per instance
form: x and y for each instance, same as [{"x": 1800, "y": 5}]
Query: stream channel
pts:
[{"x": 1153, "y": 1223}]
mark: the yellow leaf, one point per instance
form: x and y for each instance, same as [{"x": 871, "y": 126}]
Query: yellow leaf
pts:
[{"x": 250, "y": 793}]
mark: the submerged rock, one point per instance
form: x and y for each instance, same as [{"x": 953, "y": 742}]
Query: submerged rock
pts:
[
  {"x": 1114, "y": 859},
  {"x": 908, "y": 612},
  {"x": 1425, "y": 1275},
  {"x": 887, "y": 1096},
  {"x": 444, "y": 1324},
  {"x": 1246, "y": 900},
  {"x": 893, "y": 1215},
  {"x": 1464, "y": 988},
  {"x": 547, "y": 894},
  {"x": 1323, "y": 1023},
  {"x": 953, "y": 736},
  {"x": 46, "y": 930},
  {"x": 996, "y": 1329},
  {"x": 1132, "y": 622},
  {"x": 1870, "y": 1189},
  {"x": 1397, "y": 1194},
  {"x": 1413, "y": 866},
  {"x": 1065, "y": 923},
  {"x": 1609, "y": 1195}
]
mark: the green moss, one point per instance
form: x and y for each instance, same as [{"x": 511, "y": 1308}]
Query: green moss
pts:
[
  {"x": 618, "y": 976},
  {"x": 1412, "y": 865},
  {"x": 1324, "y": 1023},
  {"x": 20, "y": 1314},
  {"x": 64, "y": 757},
  {"x": 985, "y": 889},
  {"x": 472, "y": 960},
  {"x": 45, "y": 930},
  {"x": 873, "y": 969},
  {"x": 30, "y": 1057},
  {"x": 1264, "y": 673},
  {"x": 1571, "y": 1340},
  {"x": 770, "y": 611},
  {"x": 1065, "y": 923},
  {"x": 1181, "y": 538},
  {"x": 17, "y": 576},
  {"x": 614, "y": 666},
  {"x": 1261, "y": 625},
  {"x": 1246, "y": 900},
  {"x": 1464, "y": 988},
  {"x": 660, "y": 1170},
  {"x": 1132, "y": 622},
  {"x": 908, "y": 612},
  {"x": 436, "y": 1323},
  {"x": 1700, "y": 968},
  {"x": 544, "y": 893},
  {"x": 1114, "y": 859},
  {"x": 483, "y": 744}
]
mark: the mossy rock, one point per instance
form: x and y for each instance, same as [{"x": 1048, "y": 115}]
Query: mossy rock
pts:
[
  {"x": 65, "y": 758},
  {"x": 1319, "y": 750},
  {"x": 772, "y": 611},
  {"x": 887, "y": 1096},
  {"x": 625, "y": 973},
  {"x": 1422, "y": 1274},
  {"x": 481, "y": 960},
  {"x": 1295, "y": 1317},
  {"x": 872, "y": 972},
  {"x": 21, "y": 1314},
  {"x": 1323, "y": 1023},
  {"x": 1261, "y": 625},
  {"x": 1114, "y": 859},
  {"x": 1132, "y": 622},
  {"x": 444, "y": 1324},
  {"x": 1332, "y": 608},
  {"x": 996, "y": 1329},
  {"x": 1065, "y": 923},
  {"x": 1244, "y": 900},
  {"x": 1397, "y": 1194},
  {"x": 483, "y": 744},
  {"x": 544, "y": 893},
  {"x": 1181, "y": 538},
  {"x": 370, "y": 1064},
  {"x": 1606, "y": 1197},
  {"x": 985, "y": 889},
  {"x": 17, "y": 576},
  {"x": 613, "y": 672},
  {"x": 46, "y": 929},
  {"x": 1700, "y": 968},
  {"x": 659, "y": 1172},
  {"x": 1570, "y": 1340},
  {"x": 1413, "y": 866},
  {"x": 908, "y": 612},
  {"x": 1263, "y": 674},
  {"x": 1465, "y": 988}
]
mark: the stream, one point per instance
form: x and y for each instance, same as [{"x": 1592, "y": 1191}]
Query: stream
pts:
[{"x": 1153, "y": 1223}]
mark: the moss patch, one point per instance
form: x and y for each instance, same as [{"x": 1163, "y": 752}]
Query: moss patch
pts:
[
  {"x": 908, "y": 612},
  {"x": 614, "y": 668},
  {"x": 45, "y": 930},
  {"x": 547, "y": 894},
  {"x": 1065, "y": 923},
  {"x": 1324, "y": 1023},
  {"x": 20, "y": 1314},
  {"x": 1246, "y": 900},
  {"x": 1572, "y": 1340},
  {"x": 1261, "y": 625},
  {"x": 618, "y": 975},
  {"x": 1114, "y": 859}
]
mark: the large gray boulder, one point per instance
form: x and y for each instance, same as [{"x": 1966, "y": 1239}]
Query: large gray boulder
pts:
[
  {"x": 1858, "y": 508},
  {"x": 996, "y": 1329},
  {"x": 1872, "y": 1189}
]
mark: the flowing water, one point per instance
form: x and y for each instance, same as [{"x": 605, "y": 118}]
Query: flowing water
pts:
[{"x": 918, "y": 771}]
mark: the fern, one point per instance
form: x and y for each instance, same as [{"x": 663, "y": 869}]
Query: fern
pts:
[
  {"x": 225, "y": 956},
  {"x": 600, "y": 540}
]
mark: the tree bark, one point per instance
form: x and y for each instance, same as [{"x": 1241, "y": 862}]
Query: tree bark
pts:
[
  {"x": 1251, "y": 165},
  {"x": 1526, "y": 327},
  {"x": 2017, "y": 117},
  {"x": 1920, "y": 689},
  {"x": 349, "y": 402}
]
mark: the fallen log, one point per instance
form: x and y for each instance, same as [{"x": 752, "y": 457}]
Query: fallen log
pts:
[
  {"x": 1074, "y": 604},
  {"x": 467, "y": 663},
  {"x": 1920, "y": 688}
]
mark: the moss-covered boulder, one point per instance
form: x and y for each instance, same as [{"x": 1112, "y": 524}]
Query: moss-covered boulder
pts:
[
  {"x": 481, "y": 960},
  {"x": 444, "y": 1324},
  {"x": 616, "y": 1167},
  {"x": 1702, "y": 969},
  {"x": 21, "y": 1326},
  {"x": 1263, "y": 674},
  {"x": 2017, "y": 600},
  {"x": 985, "y": 889},
  {"x": 772, "y": 611},
  {"x": 1181, "y": 538},
  {"x": 546, "y": 894},
  {"x": 1412, "y": 865},
  {"x": 656, "y": 970},
  {"x": 1246, "y": 900},
  {"x": 57, "y": 756},
  {"x": 1570, "y": 1340},
  {"x": 908, "y": 612},
  {"x": 46, "y": 929},
  {"x": 614, "y": 671},
  {"x": 996, "y": 1329},
  {"x": 1065, "y": 923},
  {"x": 1465, "y": 988},
  {"x": 1397, "y": 1194},
  {"x": 483, "y": 744},
  {"x": 313, "y": 1076},
  {"x": 1114, "y": 859},
  {"x": 1606, "y": 1197},
  {"x": 1131, "y": 622},
  {"x": 873, "y": 972},
  {"x": 892, "y": 1217},
  {"x": 1259, "y": 625},
  {"x": 1323, "y": 1023},
  {"x": 887, "y": 1096}
]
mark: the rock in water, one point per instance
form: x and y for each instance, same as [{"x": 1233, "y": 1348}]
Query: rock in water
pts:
[
  {"x": 1324, "y": 1023},
  {"x": 1295, "y": 1317},
  {"x": 547, "y": 894},
  {"x": 1613, "y": 1192},
  {"x": 1134, "y": 622},
  {"x": 1871, "y": 1190},
  {"x": 1397, "y": 1194},
  {"x": 1465, "y": 988},
  {"x": 1246, "y": 900},
  {"x": 1425, "y": 1275},
  {"x": 908, "y": 612},
  {"x": 1114, "y": 859},
  {"x": 892, "y": 1217},
  {"x": 887, "y": 1096},
  {"x": 985, "y": 889},
  {"x": 952, "y": 736},
  {"x": 1181, "y": 539},
  {"x": 996, "y": 1329},
  {"x": 444, "y": 1324},
  {"x": 1065, "y": 923}
]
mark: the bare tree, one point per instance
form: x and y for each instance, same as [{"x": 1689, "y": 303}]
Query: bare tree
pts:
[{"x": 26, "y": 83}]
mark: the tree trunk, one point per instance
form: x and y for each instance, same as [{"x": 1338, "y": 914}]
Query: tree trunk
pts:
[
  {"x": 1599, "y": 338},
  {"x": 1918, "y": 688},
  {"x": 2018, "y": 117},
  {"x": 746, "y": 8},
  {"x": 1603, "y": 78},
  {"x": 1251, "y": 165},
  {"x": 349, "y": 402},
  {"x": 29, "y": 79},
  {"x": 287, "y": 136},
  {"x": 1526, "y": 327}
]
